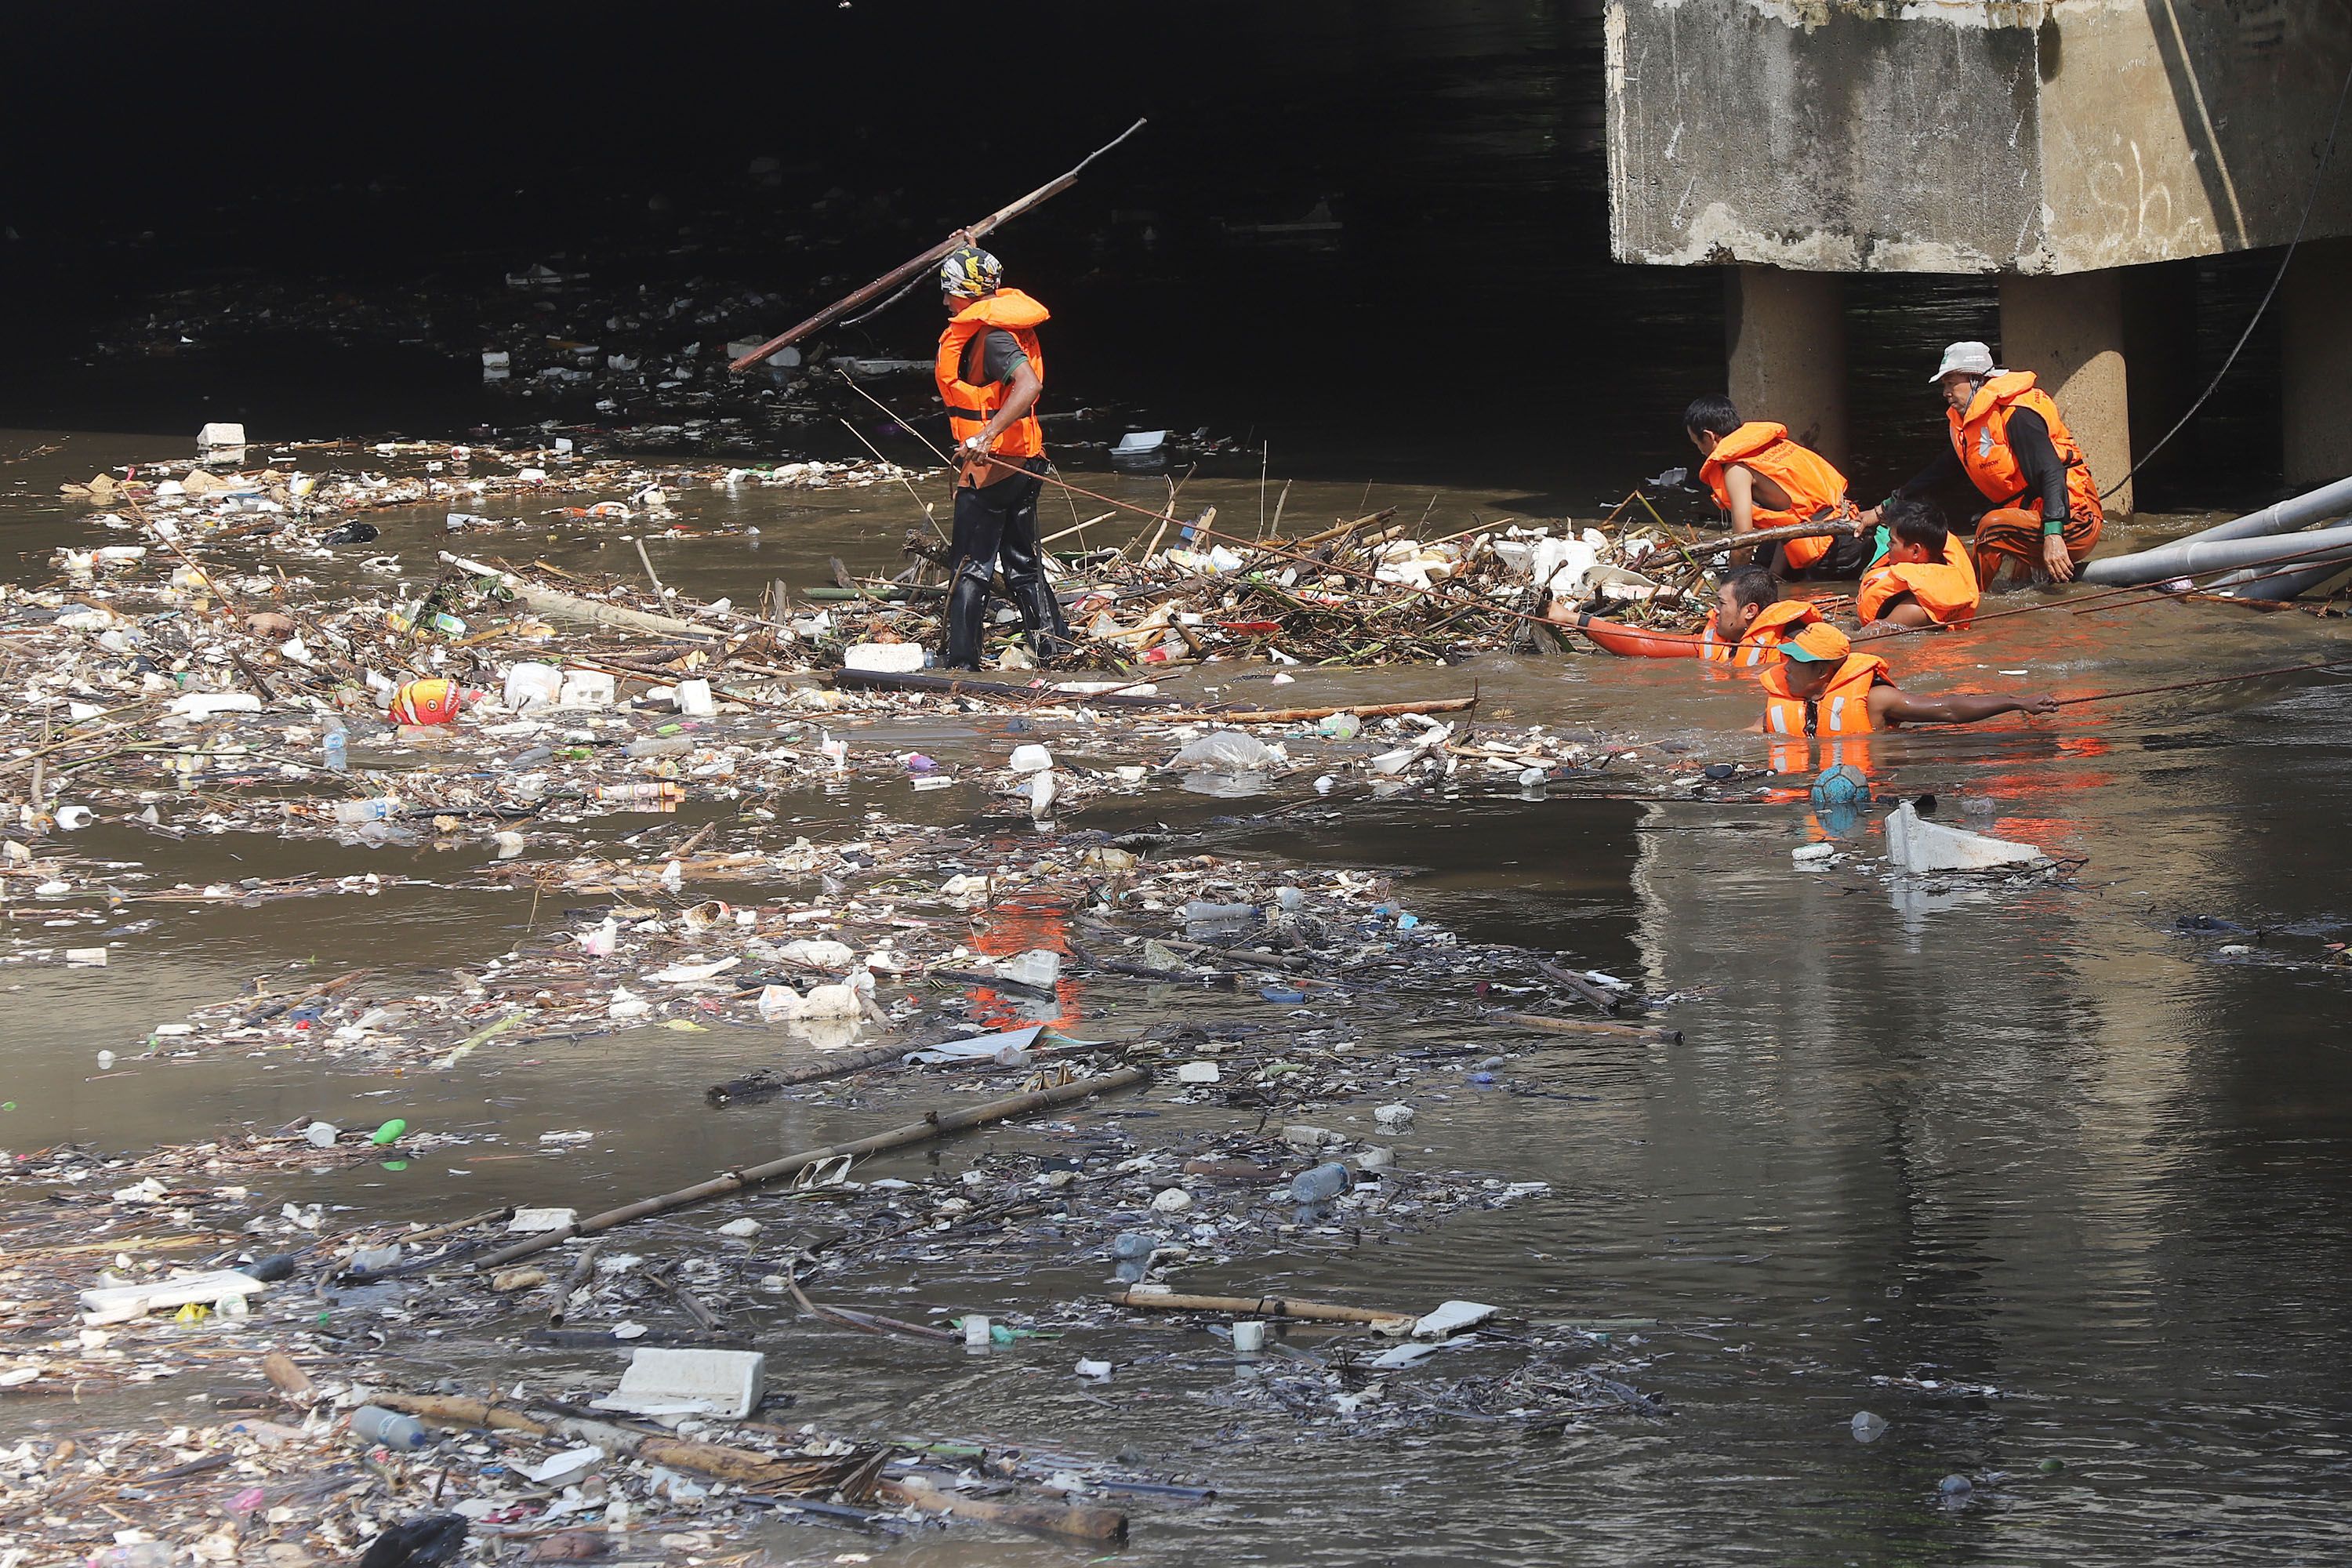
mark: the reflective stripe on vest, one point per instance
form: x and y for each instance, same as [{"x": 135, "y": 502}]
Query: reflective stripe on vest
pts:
[
  {"x": 1981, "y": 440},
  {"x": 1845, "y": 702}
]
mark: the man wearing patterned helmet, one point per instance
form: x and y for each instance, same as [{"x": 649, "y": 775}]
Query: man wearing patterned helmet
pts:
[{"x": 990, "y": 372}]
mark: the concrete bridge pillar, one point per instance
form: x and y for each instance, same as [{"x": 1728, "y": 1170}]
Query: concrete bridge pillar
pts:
[
  {"x": 2317, "y": 361},
  {"x": 2069, "y": 330},
  {"x": 1784, "y": 340}
]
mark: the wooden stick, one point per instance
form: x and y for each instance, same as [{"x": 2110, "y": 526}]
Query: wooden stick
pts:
[
  {"x": 931, "y": 257},
  {"x": 1079, "y": 528},
  {"x": 1087, "y": 1523},
  {"x": 1201, "y": 529},
  {"x": 920, "y": 504},
  {"x": 1600, "y": 998},
  {"x": 938, "y": 1124},
  {"x": 651, "y": 575},
  {"x": 1262, "y": 1307},
  {"x": 595, "y": 612},
  {"x": 1312, "y": 539},
  {"x": 2191, "y": 685},
  {"x": 1362, "y": 710},
  {"x": 787, "y": 1473},
  {"x": 581, "y": 1268},
  {"x": 271, "y": 1009},
  {"x": 1592, "y": 1027}
]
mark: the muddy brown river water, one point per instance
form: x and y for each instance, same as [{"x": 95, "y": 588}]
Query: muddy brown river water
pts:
[{"x": 2035, "y": 1176}]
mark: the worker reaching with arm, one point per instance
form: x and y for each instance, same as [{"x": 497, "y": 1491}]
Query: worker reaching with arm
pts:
[
  {"x": 1764, "y": 480},
  {"x": 990, "y": 372},
  {"x": 1822, "y": 687},
  {"x": 2008, "y": 439}
]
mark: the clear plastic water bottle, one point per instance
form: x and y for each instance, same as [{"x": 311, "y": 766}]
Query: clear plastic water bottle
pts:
[
  {"x": 357, "y": 811},
  {"x": 139, "y": 1555},
  {"x": 336, "y": 748},
  {"x": 1320, "y": 1184},
  {"x": 374, "y": 1423}
]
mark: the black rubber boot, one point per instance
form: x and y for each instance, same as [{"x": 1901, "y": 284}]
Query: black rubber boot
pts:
[
  {"x": 967, "y": 616},
  {"x": 1042, "y": 618}
]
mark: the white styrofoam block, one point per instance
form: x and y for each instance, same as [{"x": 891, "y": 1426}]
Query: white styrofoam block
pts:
[
  {"x": 119, "y": 1303},
  {"x": 663, "y": 1382},
  {"x": 221, "y": 436},
  {"x": 1916, "y": 844},
  {"x": 885, "y": 657},
  {"x": 1452, "y": 1318}
]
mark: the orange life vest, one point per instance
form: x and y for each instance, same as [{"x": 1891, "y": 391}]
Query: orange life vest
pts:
[
  {"x": 1980, "y": 437},
  {"x": 1946, "y": 590},
  {"x": 971, "y": 404},
  {"x": 1842, "y": 708},
  {"x": 1811, "y": 483},
  {"x": 1773, "y": 625}
]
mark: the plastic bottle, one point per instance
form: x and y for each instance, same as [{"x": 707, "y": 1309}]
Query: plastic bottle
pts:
[
  {"x": 336, "y": 748},
  {"x": 1319, "y": 1185},
  {"x": 374, "y": 1423},
  {"x": 1199, "y": 911},
  {"x": 353, "y": 812},
  {"x": 388, "y": 1131},
  {"x": 1039, "y": 966},
  {"x": 141, "y": 1554},
  {"x": 650, "y": 791},
  {"x": 1340, "y": 726}
]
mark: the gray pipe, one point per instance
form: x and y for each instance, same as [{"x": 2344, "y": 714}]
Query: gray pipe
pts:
[
  {"x": 2300, "y": 511},
  {"x": 2198, "y": 557},
  {"x": 2278, "y": 589}
]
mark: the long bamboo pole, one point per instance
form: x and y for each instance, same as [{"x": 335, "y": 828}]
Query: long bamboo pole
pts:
[
  {"x": 1244, "y": 543},
  {"x": 931, "y": 257},
  {"x": 1262, "y": 1307},
  {"x": 788, "y": 1474},
  {"x": 937, "y": 1124}
]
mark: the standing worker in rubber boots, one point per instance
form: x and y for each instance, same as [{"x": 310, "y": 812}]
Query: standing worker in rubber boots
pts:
[
  {"x": 2008, "y": 437},
  {"x": 990, "y": 371}
]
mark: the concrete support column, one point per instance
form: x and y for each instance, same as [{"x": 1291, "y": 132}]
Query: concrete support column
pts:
[
  {"x": 2068, "y": 331},
  {"x": 2316, "y": 362},
  {"x": 1784, "y": 340}
]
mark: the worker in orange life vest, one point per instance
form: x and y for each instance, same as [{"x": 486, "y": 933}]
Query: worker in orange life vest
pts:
[
  {"x": 1751, "y": 620},
  {"x": 1822, "y": 687},
  {"x": 2010, "y": 442},
  {"x": 1764, "y": 480},
  {"x": 1924, "y": 579},
  {"x": 990, "y": 372}
]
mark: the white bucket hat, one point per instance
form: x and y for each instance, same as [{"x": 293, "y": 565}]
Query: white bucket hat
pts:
[{"x": 1971, "y": 357}]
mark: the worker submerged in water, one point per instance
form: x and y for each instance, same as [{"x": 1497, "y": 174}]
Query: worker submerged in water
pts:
[
  {"x": 1821, "y": 686},
  {"x": 1924, "y": 579}
]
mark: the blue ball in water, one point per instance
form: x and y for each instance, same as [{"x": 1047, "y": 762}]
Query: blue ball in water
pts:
[{"x": 1843, "y": 784}]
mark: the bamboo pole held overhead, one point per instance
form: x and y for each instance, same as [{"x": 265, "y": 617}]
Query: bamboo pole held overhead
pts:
[{"x": 931, "y": 257}]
